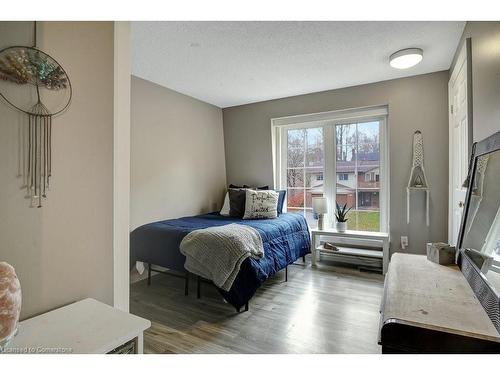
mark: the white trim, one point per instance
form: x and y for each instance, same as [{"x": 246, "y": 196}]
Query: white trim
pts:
[
  {"x": 330, "y": 176},
  {"x": 339, "y": 115},
  {"x": 384, "y": 176},
  {"x": 328, "y": 120},
  {"x": 121, "y": 166},
  {"x": 460, "y": 63}
]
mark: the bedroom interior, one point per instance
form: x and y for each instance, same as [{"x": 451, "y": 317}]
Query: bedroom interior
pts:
[{"x": 249, "y": 187}]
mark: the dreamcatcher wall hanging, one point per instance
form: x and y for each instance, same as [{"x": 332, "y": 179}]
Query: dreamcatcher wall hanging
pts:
[{"x": 35, "y": 84}]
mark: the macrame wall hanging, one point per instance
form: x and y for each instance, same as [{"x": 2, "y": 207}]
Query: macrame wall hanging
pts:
[
  {"x": 418, "y": 179},
  {"x": 35, "y": 84}
]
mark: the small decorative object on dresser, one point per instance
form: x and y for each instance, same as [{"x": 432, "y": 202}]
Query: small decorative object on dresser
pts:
[
  {"x": 10, "y": 303},
  {"x": 441, "y": 253},
  {"x": 320, "y": 207},
  {"x": 341, "y": 216}
]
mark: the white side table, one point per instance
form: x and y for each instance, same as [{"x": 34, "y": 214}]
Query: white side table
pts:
[
  {"x": 83, "y": 327},
  {"x": 369, "y": 238}
]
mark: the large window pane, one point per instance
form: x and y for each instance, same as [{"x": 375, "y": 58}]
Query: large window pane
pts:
[
  {"x": 358, "y": 173},
  {"x": 314, "y": 152},
  {"x": 305, "y": 170}
]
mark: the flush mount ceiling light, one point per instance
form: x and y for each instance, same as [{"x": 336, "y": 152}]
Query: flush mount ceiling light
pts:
[{"x": 406, "y": 58}]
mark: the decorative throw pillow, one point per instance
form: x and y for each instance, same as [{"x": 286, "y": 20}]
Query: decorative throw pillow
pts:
[
  {"x": 237, "y": 202},
  {"x": 261, "y": 204},
  {"x": 281, "y": 200},
  {"x": 225, "y": 207}
]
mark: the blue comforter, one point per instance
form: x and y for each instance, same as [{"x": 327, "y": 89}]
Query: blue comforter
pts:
[{"x": 285, "y": 239}]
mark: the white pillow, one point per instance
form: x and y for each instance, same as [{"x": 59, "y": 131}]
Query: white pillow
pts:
[
  {"x": 225, "y": 207},
  {"x": 261, "y": 204}
]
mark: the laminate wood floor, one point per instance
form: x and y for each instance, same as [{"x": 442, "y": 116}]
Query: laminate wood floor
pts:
[{"x": 319, "y": 310}]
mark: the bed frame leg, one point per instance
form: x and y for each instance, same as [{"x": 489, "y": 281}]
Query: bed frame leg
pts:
[
  {"x": 186, "y": 284},
  {"x": 246, "y": 308},
  {"x": 304, "y": 258},
  {"x": 149, "y": 274},
  {"x": 198, "y": 288},
  {"x": 286, "y": 274}
]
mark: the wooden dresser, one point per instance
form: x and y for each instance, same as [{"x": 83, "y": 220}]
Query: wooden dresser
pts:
[{"x": 429, "y": 308}]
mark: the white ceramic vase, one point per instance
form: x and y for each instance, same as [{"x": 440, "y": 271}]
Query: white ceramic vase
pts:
[
  {"x": 10, "y": 303},
  {"x": 341, "y": 226}
]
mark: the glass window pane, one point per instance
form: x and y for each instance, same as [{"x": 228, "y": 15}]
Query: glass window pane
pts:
[
  {"x": 358, "y": 174},
  {"x": 315, "y": 148},
  {"x": 310, "y": 194},
  {"x": 345, "y": 134},
  {"x": 295, "y": 177},
  {"x": 295, "y": 198},
  {"x": 314, "y": 178},
  {"x": 295, "y": 148},
  {"x": 368, "y": 132},
  {"x": 346, "y": 152}
]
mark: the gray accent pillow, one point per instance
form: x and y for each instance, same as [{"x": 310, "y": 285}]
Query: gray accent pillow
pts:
[
  {"x": 237, "y": 202},
  {"x": 261, "y": 204}
]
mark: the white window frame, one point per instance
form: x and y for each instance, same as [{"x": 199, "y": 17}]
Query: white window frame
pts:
[{"x": 328, "y": 120}]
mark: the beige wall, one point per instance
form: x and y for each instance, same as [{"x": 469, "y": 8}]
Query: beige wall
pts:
[
  {"x": 418, "y": 102},
  {"x": 177, "y": 154},
  {"x": 64, "y": 251},
  {"x": 485, "y": 45}
]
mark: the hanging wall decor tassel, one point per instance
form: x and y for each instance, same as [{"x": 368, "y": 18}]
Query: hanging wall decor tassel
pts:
[
  {"x": 39, "y": 124},
  {"x": 40, "y": 72}
]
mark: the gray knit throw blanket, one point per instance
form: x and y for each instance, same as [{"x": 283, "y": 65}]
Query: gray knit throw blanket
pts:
[{"x": 216, "y": 253}]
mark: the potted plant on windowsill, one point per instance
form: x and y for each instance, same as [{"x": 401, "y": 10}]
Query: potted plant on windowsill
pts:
[{"x": 341, "y": 216}]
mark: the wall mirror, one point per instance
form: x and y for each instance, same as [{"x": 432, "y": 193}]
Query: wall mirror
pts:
[{"x": 480, "y": 232}]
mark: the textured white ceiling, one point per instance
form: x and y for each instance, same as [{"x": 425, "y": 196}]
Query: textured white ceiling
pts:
[{"x": 233, "y": 63}]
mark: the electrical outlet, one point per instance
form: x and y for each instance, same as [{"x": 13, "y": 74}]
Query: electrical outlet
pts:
[{"x": 404, "y": 242}]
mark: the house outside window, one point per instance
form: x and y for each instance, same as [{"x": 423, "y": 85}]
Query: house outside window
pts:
[{"x": 341, "y": 155}]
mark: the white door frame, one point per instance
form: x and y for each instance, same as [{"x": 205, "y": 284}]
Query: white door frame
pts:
[{"x": 463, "y": 61}]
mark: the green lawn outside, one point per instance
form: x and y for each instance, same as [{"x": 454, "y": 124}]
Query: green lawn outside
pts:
[{"x": 367, "y": 220}]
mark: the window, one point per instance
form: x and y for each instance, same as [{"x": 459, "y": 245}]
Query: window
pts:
[{"x": 341, "y": 155}]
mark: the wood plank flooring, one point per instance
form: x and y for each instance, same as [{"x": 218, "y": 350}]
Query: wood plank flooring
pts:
[{"x": 319, "y": 310}]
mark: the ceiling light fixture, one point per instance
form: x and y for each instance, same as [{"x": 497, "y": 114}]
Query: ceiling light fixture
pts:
[{"x": 406, "y": 58}]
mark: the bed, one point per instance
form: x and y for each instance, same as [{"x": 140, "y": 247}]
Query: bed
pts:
[{"x": 285, "y": 240}]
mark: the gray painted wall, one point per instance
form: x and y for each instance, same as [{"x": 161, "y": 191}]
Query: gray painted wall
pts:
[
  {"x": 485, "y": 42},
  {"x": 177, "y": 155},
  {"x": 418, "y": 102},
  {"x": 63, "y": 252}
]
